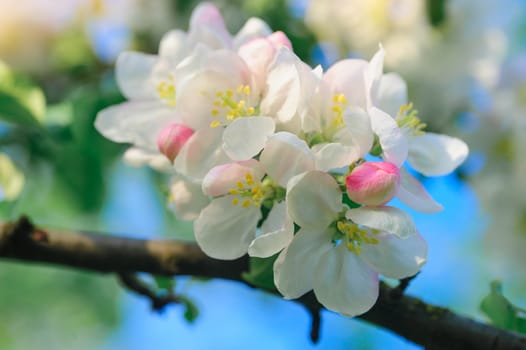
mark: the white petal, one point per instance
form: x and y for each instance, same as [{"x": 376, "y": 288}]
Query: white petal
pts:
[
  {"x": 389, "y": 219},
  {"x": 258, "y": 54},
  {"x": 246, "y": 136},
  {"x": 373, "y": 75},
  {"x": 347, "y": 77},
  {"x": 201, "y": 153},
  {"x": 344, "y": 283},
  {"x": 138, "y": 123},
  {"x": 207, "y": 26},
  {"x": 173, "y": 46},
  {"x": 314, "y": 199},
  {"x": 253, "y": 28},
  {"x": 294, "y": 267},
  {"x": 395, "y": 257},
  {"x": 276, "y": 233},
  {"x": 220, "y": 179},
  {"x": 187, "y": 199},
  {"x": 434, "y": 154},
  {"x": 392, "y": 93},
  {"x": 285, "y": 155},
  {"x": 133, "y": 73},
  {"x": 139, "y": 157},
  {"x": 224, "y": 231},
  {"x": 283, "y": 91},
  {"x": 393, "y": 142},
  {"x": 412, "y": 193},
  {"x": 334, "y": 155},
  {"x": 358, "y": 131}
]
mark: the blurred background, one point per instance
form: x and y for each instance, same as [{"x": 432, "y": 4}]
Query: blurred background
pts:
[{"x": 465, "y": 64}]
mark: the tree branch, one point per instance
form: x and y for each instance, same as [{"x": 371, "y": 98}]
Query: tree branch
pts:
[{"x": 431, "y": 326}]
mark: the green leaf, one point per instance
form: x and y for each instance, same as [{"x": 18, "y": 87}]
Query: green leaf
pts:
[
  {"x": 165, "y": 283},
  {"x": 261, "y": 273},
  {"x": 21, "y": 101},
  {"x": 191, "y": 311},
  {"x": 501, "y": 311},
  {"x": 11, "y": 179}
]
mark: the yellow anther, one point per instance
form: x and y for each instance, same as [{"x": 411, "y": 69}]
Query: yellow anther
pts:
[
  {"x": 241, "y": 104},
  {"x": 219, "y": 94},
  {"x": 250, "y": 111},
  {"x": 235, "y": 201},
  {"x": 240, "y": 185},
  {"x": 239, "y": 89},
  {"x": 337, "y": 109},
  {"x": 214, "y": 124},
  {"x": 246, "y": 90},
  {"x": 229, "y": 93},
  {"x": 218, "y": 103},
  {"x": 246, "y": 203},
  {"x": 233, "y": 191},
  {"x": 249, "y": 179},
  {"x": 215, "y": 112}
]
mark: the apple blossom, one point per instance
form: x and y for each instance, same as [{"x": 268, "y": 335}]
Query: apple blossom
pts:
[
  {"x": 172, "y": 138},
  {"x": 338, "y": 252}
]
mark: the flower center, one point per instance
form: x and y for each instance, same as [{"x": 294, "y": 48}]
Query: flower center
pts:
[
  {"x": 250, "y": 192},
  {"x": 407, "y": 118},
  {"x": 230, "y": 105},
  {"x": 355, "y": 236},
  {"x": 166, "y": 91},
  {"x": 331, "y": 125}
]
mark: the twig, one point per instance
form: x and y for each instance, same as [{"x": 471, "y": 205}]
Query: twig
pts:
[{"x": 419, "y": 322}]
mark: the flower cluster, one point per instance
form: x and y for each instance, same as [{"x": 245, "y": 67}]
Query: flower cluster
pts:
[{"x": 270, "y": 156}]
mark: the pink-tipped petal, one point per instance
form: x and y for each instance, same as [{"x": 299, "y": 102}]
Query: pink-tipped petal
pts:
[{"x": 279, "y": 39}]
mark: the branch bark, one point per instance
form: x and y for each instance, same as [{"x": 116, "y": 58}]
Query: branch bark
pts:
[{"x": 428, "y": 325}]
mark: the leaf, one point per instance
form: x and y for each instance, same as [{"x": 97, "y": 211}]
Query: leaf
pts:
[
  {"x": 21, "y": 101},
  {"x": 11, "y": 179},
  {"x": 165, "y": 283},
  {"x": 191, "y": 311},
  {"x": 501, "y": 311},
  {"x": 261, "y": 272}
]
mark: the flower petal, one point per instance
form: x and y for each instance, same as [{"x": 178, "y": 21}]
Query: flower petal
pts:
[
  {"x": 294, "y": 267},
  {"x": 139, "y": 157},
  {"x": 245, "y": 137},
  {"x": 133, "y": 74},
  {"x": 395, "y": 257},
  {"x": 344, "y": 283},
  {"x": 358, "y": 131},
  {"x": 276, "y": 233},
  {"x": 224, "y": 231},
  {"x": 435, "y": 154},
  {"x": 138, "y": 123},
  {"x": 392, "y": 93},
  {"x": 334, "y": 155},
  {"x": 285, "y": 155},
  {"x": 314, "y": 199},
  {"x": 220, "y": 179},
  {"x": 252, "y": 29},
  {"x": 373, "y": 75},
  {"x": 201, "y": 153},
  {"x": 347, "y": 77},
  {"x": 187, "y": 199},
  {"x": 412, "y": 193},
  {"x": 173, "y": 46},
  {"x": 389, "y": 219},
  {"x": 393, "y": 142}
]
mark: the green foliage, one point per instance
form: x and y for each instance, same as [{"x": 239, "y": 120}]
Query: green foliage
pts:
[
  {"x": 11, "y": 179},
  {"x": 501, "y": 311},
  {"x": 436, "y": 12},
  {"x": 191, "y": 311},
  {"x": 261, "y": 273},
  {"x": 165, "y": 283},
  {"x": 21, "y": 102}
]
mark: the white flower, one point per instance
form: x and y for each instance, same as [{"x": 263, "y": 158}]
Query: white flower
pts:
[{"x": 337, "y": 252}]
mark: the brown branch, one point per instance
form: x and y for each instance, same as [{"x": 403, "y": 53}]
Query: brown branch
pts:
[{"x": 431, "y": 326}]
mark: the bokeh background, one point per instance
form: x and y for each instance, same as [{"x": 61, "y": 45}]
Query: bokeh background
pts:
[{"x": 465, "y": 63}]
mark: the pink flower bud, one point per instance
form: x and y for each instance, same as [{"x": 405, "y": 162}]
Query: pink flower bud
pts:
[
  {"x": 373, "y": 183},
  {"x": 172, "y": 138}
]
